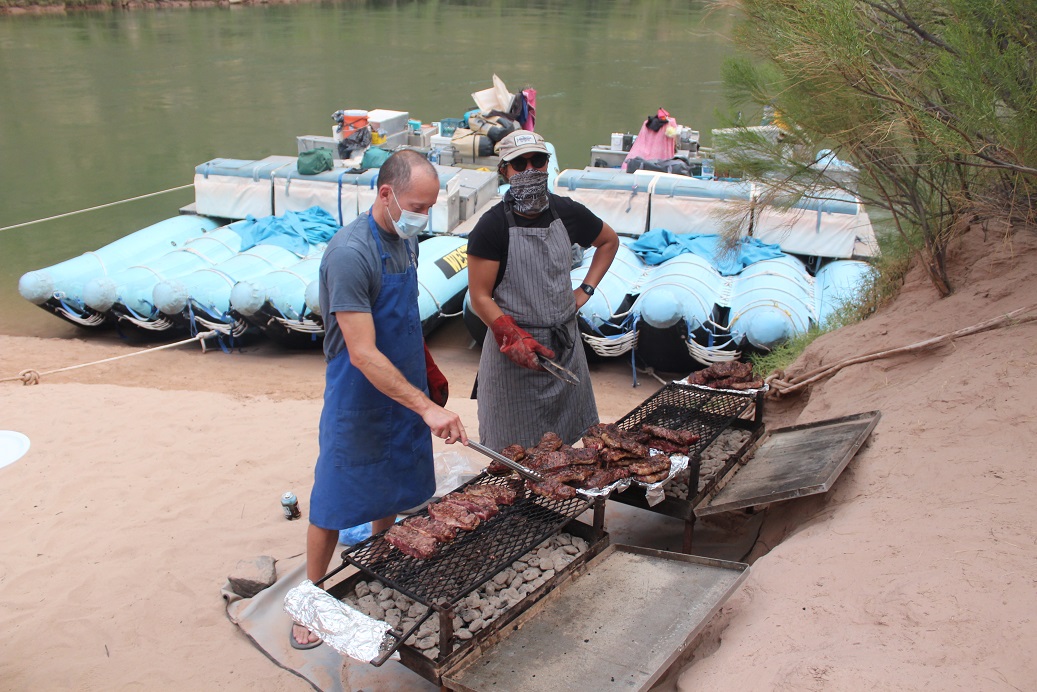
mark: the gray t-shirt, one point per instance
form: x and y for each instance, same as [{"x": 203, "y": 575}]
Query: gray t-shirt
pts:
[{"x": 351, "y": 274}]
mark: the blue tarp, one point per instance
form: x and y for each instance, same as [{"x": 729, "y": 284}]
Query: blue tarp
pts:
[
  {"x": 297, "y": 231},
  {"x": 658, "y": 245}
]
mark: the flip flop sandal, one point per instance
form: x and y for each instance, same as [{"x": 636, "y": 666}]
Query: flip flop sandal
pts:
[{"x": 302, "y": 647}]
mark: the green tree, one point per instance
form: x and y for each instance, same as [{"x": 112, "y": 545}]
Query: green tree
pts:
[{"x": 935, "y": 101}]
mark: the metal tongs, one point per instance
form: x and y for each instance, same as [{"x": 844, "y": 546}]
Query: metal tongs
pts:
[
  {"x": 564, "y": 374},
  {"x": 513, "y": 465}
]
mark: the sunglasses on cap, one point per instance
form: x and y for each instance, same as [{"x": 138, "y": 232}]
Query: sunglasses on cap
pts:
[{"x": 539, "y": 160}]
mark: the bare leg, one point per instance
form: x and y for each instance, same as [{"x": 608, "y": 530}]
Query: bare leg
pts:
[
  {"x": 379, "y": 525},
  {"x": 320, "y": 546}
]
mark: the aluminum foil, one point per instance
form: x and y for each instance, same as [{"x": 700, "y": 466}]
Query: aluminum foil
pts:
[
  {"x": 766, "y": 387},
  {"x": 344, "y": 629},
  {"x": 654, "y": 492}
]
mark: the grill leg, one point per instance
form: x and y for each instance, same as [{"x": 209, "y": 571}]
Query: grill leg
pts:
[
  {"x": 446, "y": 631},
  {"x": 689, "y": 528},
  {"x": 599, "y": 517}
]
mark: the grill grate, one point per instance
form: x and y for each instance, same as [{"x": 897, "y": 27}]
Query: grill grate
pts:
[
  {"x": 683, "y": 407},
  {"x": 473, "y": 557}
]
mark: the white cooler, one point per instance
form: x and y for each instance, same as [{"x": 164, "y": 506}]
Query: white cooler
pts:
[{"x": 235, "y": 188}]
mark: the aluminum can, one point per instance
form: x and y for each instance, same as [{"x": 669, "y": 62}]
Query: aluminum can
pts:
[{"x": 290, "y": 505}]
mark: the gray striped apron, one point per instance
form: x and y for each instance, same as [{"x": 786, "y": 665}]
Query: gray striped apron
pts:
[{"x": 517, "y": 405}]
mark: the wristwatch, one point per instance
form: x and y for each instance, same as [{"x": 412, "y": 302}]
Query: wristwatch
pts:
[{"x": 587, "y": 288}]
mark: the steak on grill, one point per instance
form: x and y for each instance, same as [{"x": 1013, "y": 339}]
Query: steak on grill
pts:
[
  {"x": 498, "y": 493},
  {"x": 568, "y": 474},
  {"x": 603, "y": 477},
  {"x": 552, "y": 489},
  {"x": 549, "y": 442},
  {"x": 453, "y": 515},
  {"x": 410, "y": 542},
  {"x": 681, "y": 437},
  {"x": 645, "y": 467},
  {"x": 482, "y": 507},
  {"x": 432, "y": 528}
]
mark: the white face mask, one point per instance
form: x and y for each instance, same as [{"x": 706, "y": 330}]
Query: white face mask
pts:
[{"x": 410, "y": 223}]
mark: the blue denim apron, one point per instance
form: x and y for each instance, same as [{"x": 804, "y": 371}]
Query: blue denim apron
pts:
[{"x": 375, "y": 455}]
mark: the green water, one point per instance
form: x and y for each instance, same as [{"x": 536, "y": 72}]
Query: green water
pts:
[{"x": 98, "y": 107}]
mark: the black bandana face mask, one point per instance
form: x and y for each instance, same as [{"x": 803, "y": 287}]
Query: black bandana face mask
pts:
[{"x": 529, "y": 191}]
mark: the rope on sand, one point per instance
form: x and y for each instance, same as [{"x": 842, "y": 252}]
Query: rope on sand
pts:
[
  {"x": 780, "y": 385},
  {"x": 31, "y": 376},
  {"x": 100, "y": 206}
]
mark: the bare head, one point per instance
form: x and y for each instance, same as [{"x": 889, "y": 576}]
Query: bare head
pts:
[{"x": 407, "y": 182}]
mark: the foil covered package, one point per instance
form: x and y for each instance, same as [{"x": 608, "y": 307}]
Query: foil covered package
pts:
[{"x": 344, "y": 629}]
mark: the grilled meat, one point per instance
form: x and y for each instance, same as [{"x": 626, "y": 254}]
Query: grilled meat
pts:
[
  {"x": 596, "y": 430},
  {"x": 482, "y": 507},
  {"x": 453, "y": 515},
  {"x": 730, "y": 372},
  {"x": 735, "y": 383},
  {"x": 410, "y": 542},
  {"x": 552, "y": 489},
  {"x": 645, "y": 467},
  {"x": 618, "y": 457},
  {"x": 549, "y": 442},
  {"x": 603, "y": 477},
  {"x": 593, "y": 442},
  {"x": 498, "y": 493},
  {"x": 554, "y": 460},
  {"x": 681, "y": 437},
  {"x": 623, "y": 440},
  {"x": 584, "y": 456},
  {"x": 667, "y": 446},
  {"x": 568, "y": 474},
  {"x": 653, "y": 478},
  {"x": 513, "y": 452},
  {"x": 431, "y": 528}
]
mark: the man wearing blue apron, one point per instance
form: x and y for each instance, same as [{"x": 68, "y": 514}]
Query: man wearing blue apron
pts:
[
  {"x": 519, "y": 259},
  {"x": 383, "y": 394}
]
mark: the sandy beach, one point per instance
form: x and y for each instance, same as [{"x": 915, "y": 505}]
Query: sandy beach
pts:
[{"x": 149, "y": 478}]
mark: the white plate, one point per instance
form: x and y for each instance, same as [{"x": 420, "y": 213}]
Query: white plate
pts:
[{"x": 13, "y": 445}]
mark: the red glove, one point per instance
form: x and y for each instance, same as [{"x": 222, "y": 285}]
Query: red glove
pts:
[
  {"x": 517, "y": 344},
  {"x": 438, "y": 389}
]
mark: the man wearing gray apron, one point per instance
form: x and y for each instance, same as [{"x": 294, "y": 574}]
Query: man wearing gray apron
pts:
[
  {"x": 375, "y": 446},
  {"x": 519, "y": 259}
]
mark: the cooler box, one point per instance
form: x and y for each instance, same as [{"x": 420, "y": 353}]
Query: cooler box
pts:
[
  {"x": 235, "y": 188},
  {"x": 682, "y": 204},
  {"x": 334, "y": 191},
  {"x": 311, "y": 142},
  {"x": 476, "y": 189},
  {"x": 389, "y": 122},
  {"x": 620, "y": 199}
]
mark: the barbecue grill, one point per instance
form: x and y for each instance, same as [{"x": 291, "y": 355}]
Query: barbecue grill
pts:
[
  {"x": 461, "y": 566},
  {"x": 706, "y": 412}
]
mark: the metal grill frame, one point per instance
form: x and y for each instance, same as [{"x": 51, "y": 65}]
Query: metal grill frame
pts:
[
  {"x": 707, "y": 412},
  {"x": 450, "y": 653},
  {"x": 440, "y": 580}
]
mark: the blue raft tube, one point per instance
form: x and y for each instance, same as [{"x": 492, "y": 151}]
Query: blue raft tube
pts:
[
  {"x": 127, "y": 295},
  {"x": 605, "y": 322},
  {"x": 282, "y": 304},
  {"x": 838, "y": 283},
  {"x": 59, "y": 288},
  {"x": 771, "y": 301},
  {"x": 687, "y": 288}
]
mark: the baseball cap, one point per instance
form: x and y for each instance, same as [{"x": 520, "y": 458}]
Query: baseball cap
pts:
[{"x": 521, "y": 142}]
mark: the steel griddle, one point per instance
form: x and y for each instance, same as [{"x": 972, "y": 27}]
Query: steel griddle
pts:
[{"x": 620, "y": 624}]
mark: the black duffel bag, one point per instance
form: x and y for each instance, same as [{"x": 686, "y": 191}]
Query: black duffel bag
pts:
[{"x": 675, "y": 165}]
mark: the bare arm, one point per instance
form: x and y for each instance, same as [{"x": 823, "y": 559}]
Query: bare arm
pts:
[
  {"x": 359, "y": 334},
  {"x": 605, "y": 247},
  {"x": 482, "y": 273}
]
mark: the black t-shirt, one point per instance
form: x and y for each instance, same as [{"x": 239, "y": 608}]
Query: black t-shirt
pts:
[{"x": 489, "y": 238}]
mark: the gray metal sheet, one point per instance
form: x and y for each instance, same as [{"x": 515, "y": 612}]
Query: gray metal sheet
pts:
[
  {"x": 793, "y": 462},
  {"x": 618, "y": 626}
]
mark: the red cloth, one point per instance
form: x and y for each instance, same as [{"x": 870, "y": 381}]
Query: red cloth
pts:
[
  {"x": 531, "y": 106},
  {"x": 438, "y": 388}
]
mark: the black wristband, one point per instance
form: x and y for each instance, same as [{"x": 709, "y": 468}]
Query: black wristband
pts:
[{"x": 587, "y": 288}]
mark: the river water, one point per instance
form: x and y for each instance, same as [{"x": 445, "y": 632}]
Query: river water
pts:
[{"x": 99, "y": 107}]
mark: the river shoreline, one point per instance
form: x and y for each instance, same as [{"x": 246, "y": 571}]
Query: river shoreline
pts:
[{"x": 117, "y": 6}]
